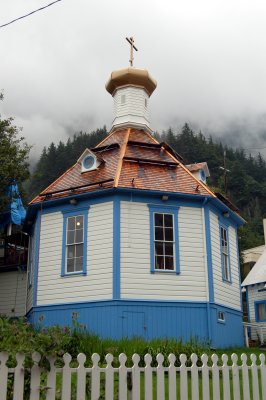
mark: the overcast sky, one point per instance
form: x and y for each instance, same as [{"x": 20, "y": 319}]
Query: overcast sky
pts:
[{"x": 208, "y": 57}]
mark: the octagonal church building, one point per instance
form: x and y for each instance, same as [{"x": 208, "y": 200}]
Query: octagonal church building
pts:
[{"x": 131, "y": 242}]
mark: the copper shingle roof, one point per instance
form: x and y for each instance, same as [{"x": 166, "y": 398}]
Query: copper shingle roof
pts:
[{"x": 132, "y": 158}]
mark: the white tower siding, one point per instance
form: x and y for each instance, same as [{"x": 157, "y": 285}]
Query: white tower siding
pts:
[{"x": 131, "y": 107}]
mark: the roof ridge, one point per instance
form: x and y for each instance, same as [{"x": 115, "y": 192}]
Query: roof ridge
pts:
[
  {"x": 190, "y": 173},
  {"x": 120, "y": 163}
]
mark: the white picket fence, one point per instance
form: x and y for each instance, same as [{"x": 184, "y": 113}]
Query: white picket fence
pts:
[{"x": 205, "y": 378}]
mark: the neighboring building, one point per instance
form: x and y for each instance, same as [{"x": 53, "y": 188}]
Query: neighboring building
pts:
[
  {"x": 13, "y": 257},
  {"x": 251, "y": 256},
  {"x": 255, "y": 285},
  {"x": 132, "y": 243}
]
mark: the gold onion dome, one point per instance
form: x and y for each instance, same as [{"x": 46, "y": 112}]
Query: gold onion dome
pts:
[{"x": 131, "y": 76}]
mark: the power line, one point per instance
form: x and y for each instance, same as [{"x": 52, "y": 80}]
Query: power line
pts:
[{"x": 32, "y": 12}]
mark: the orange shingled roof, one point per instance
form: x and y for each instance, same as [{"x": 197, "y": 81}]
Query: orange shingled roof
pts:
[{"x": 132, "y": 159}]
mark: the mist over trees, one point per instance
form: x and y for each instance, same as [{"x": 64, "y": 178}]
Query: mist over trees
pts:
[{"x": 246, "y": 179}]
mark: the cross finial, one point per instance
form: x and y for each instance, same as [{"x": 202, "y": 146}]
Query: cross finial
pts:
[{"x": 132, "y": 47}]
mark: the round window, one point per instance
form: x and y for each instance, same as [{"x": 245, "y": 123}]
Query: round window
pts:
[{"x": 88, "y": 162}]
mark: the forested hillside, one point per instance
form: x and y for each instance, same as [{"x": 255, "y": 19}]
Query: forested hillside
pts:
[{"x": 246, "y": 179}]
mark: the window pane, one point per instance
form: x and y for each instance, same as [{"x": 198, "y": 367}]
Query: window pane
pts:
[
  {"x": 159, "y": 248},
  {"x": 169, "y": 263},
  {"x": 168, "y": 220},
  {"x": 79, "y": 222},
  {"x": 262, "y": 312},
  {"x": 159, "y": 264},
  {"x": 70, "y": 251},
  {"x": 158, "y": 219},
  {"x": 158, "y": 233},
  {"x": 79, "y": 264},
  {"x": 79, "y": 250},
  {"x": 169, "y": 234},
  {"x": 79, "y": 236},
  {"x": 70, "y": 265},
  {"x": 71, "y": 223},
  {"x": 225, "y": 265},
  {"x": 169, "y": 249},
  {"x": 70, "y": 237}
]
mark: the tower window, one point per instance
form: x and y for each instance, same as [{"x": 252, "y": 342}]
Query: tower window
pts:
[{"x": 123, "y": 99}]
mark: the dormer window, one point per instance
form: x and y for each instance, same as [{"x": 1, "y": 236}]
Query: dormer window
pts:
[{"x": 89, "y": 161}]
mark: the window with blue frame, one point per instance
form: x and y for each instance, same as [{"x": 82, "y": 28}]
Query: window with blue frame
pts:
[
  {"x": 225, "y": 253},
  {"x": 164, "y": 239},
  {"x": 74, "y": 243},
  {"x": 260, "y": 310}
]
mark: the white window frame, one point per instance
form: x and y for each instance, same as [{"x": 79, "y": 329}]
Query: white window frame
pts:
[{"x": 75, "y": 244}]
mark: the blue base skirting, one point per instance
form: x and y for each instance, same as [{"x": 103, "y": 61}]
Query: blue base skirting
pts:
[{"x": 148, "y": 319}]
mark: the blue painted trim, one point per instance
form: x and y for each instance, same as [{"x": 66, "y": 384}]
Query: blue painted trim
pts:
[
  {"x": 197, "y": 198},
  {"x": 36, "y": 260},
  {"x": 81, "y": 304},
  {"x": 116, "y": 248},
  {"x": 229, "y": 281},
  {"x": 256, "y": 303},
  {"x": 209, "y": 251},
  {"x": 239, "y": 270},
  {"x": 171, "y": 210},
  {"x": 72, "y": 213}
]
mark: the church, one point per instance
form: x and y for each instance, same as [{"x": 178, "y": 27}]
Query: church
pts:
[{"x": 129, "y": 241}]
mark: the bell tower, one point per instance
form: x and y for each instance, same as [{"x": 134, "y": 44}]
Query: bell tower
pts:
[{"x": 131, "y": 89}]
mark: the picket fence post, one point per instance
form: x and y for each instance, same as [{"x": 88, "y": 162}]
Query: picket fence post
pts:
[
  {"x": 81, "y": 377},
  {"x": 148, "y": 377},
  {"x": 109, "y": 377},
  {"x": 183, "y": 377},
  {"x": 3, "y": 374},
  {"x": 66, "y": 379},
  {"x": 51, "y": 379},
  {"x": 135, "y": 377},
  {"x": 172, "y": 377},
  {"x": 19, "y": 377},
  {"x": 35, "y": 377},
  {"x": 226, "y": 380},
  {"x": 235, "y": 373},
  {"x": 263, "y": 375},
  {"x": 245, "y": 377},
  {"x": 122, "y": 389},
  {"x": 255, "y": 381},
  {"x": 205, "y": 377},
  {"x": 95, "y": 377}
]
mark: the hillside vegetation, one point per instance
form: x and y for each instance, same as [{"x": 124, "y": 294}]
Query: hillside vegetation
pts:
[{"x": 246, "y": 179}]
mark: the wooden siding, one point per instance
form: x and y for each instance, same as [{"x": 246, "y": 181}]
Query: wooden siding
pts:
[
  {"x": 225, "y": 293},
  {"x": 134, "y": 103},
  {"x": 136, "y": 279},
  {"x": 13, "y": 293},
  {"x": 97, "y": 284},
  {"x": 255, "y": 295}
]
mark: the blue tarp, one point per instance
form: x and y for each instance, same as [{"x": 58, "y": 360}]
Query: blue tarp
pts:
[{"x": 15, "y": 213}]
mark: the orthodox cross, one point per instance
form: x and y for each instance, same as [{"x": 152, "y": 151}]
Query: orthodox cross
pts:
[{"x": 132, "y": 47}]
